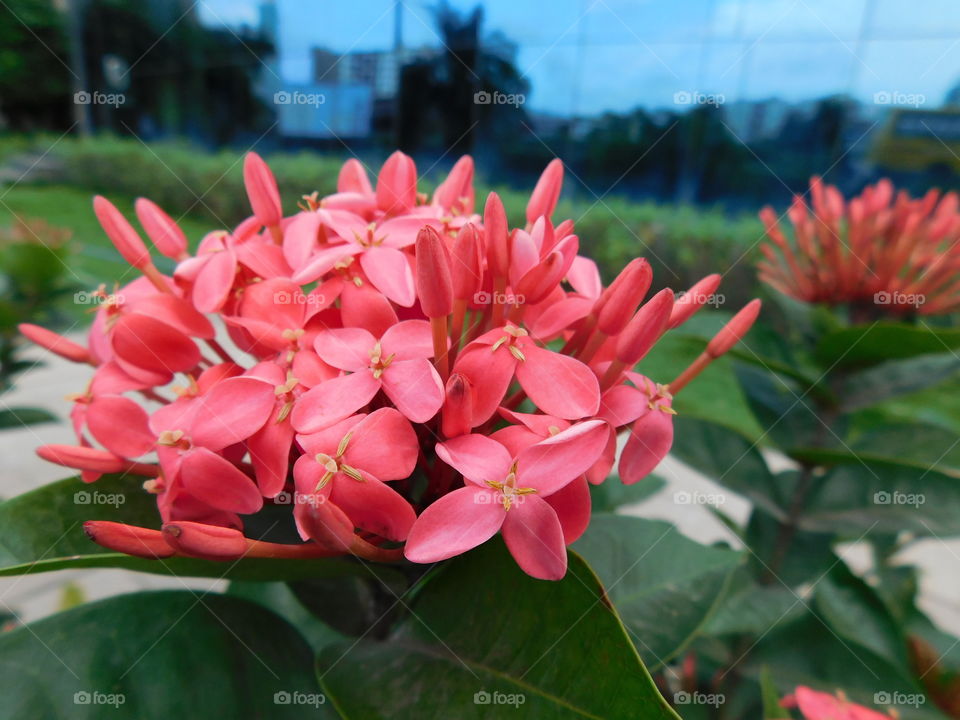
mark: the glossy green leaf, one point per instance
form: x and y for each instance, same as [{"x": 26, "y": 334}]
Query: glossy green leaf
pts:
[
  {"x": 664, "y": 585},
  {"x": 855, "y": 612},
  {"x": 43, "y": 531},
  {"x": 170, "y": 654},
  {"x": 883, "y": 381},
  {"x": 865, "y": 495},
  {"x": 484, "y": 640},
  {"x": 865, "y": 345},
  {"x": 277, "y": 597}
]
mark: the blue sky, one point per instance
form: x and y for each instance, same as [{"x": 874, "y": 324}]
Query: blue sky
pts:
[{"x": 589, "y": 56}]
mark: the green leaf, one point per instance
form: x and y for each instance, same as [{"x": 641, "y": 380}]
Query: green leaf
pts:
[
  {"x": 361, "y": 605},
  {"x": 882, "y": 496},
  {"x": 43, "y": 531},
  {"x": 886, "y": 380},
  {"x": 612, "y": 494},
  {"x": 754, "y": 609},
  {"x": 772, "y": 709},
  {"x": 277, "y": 597},
  {"x": 12, "y": 418},
  {"x": 664, "y": 585},
  {"x": 856, "y": 613},
  {"x": 726, "y": 457},
  {"x": 158, "y": 655},
  {"x": 484, "y": 640},
  {"x": 807, "y": 557},
  {"x": 788, "y": 412},
  {"x": 865, "y": 345}
]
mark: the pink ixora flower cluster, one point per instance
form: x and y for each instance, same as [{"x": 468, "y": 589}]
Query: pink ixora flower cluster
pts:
[
  {"x": 882, "y": 250},
  {"x": 408, "y": 375}
]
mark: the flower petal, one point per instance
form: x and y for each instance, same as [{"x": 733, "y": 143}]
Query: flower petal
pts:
[
  {"x": 552, "y": 463},
  {"x": 490, "y": 374},
  {"x": 120, "y": 425},
  {"x": 650, "y": 440},
  {"x": 373, "y": 506},
  {"x": 218, "y": 483},
  {"x": 457, "y": 522},
  {"x": 332, "y": 401},
  {"x": 558, "y": 384},
  {"x": 571, "y": 503},
  {"x": 535, "y": 539},
  {"x": 478, "y": 458},
  {"x": 231, "y": 412},
  {"x": 389, "y": 271},
  {"x": 383, "y": 444},
  {"x": 345, "y": 348},
  {"x": 414, "y": 387}
]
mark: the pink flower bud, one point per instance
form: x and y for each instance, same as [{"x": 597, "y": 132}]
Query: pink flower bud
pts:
[
  {"x": 495, "y": 229},
  {"x": 434, "y": 284},
  {"x": 731, "y": 333},
  {"x": 210, "y": 542},
  {"x": 82, "y": 458},
  {"x": 161, "y": 229},
  {"x": 623, "y": 296},
  {"x": 397, "y": 184},
  {"x": 456, "y": 191},
  {"x": 457, "y": 406},
  {"x": 353, "y": 178},
  {"x": 57, "y": 344},
  {"x": 121, "y": 233},
  {"x": 128, "y": 539},
  {"x": 645, "y": 328},
  {"x": 544, "y": 198},
  {"x": 694, "y": 299},
  {"x": 465, "y": 264},
  {"x": 542, "y": 279},
  {"x": 262, "y": 190},
  {"x": 327, "y": 525}
]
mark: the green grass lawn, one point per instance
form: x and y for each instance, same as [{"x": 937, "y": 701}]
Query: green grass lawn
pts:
[{"x": 94, "y": 259}]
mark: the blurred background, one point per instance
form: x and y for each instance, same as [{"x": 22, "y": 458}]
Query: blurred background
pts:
[
  {"x": 676, "y": 122},
  {"x": 697, "y": 112}
]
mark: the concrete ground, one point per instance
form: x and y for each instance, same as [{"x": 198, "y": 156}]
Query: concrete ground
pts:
[{"x": 36, "y": 596}]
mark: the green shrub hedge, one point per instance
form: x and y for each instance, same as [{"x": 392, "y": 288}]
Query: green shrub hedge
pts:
[{"x": 682, "y": 242}]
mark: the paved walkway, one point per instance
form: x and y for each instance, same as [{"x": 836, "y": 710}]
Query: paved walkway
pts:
[{"x": 35, "y": 596}]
